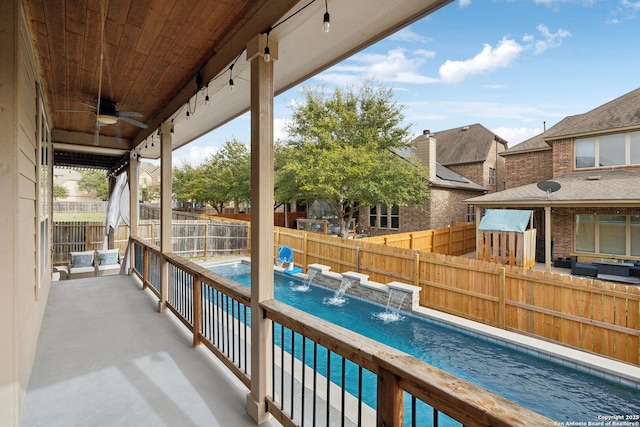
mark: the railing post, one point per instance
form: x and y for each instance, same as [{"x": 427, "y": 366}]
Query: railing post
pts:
[
  {"x": 196, "y": 301},
  {"x": 390, "y": 400},
  {"x": 145, "y": 267}
]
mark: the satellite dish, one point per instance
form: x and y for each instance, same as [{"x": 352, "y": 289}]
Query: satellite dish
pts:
[{"x": 549, "y": 187}]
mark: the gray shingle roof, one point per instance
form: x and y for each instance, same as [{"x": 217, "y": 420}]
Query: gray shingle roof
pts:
[
  {"x": 445, "y": 177},
  {"x": 620, "y": 113},
  {"x": 466, "y": 144},
  {"x": 610, "y": 188},
  {"x": 532, "y": 144}
]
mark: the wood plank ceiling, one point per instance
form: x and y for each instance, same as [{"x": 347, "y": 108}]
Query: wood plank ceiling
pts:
[{"x": 151, "y": 51}]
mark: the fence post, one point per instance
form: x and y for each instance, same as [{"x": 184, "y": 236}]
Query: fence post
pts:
[
  {"x": 197, "y": 308},
  {"x": 305, "y": 248},
  {"x": 357, "y": 259},
  {"x": 410, "y": 240},
  {"x": 416, "y": 280},
  {"x": 390, "y": 400},
  {"x": 206, "y": 239},
  {"x": 503, "y": 304}
]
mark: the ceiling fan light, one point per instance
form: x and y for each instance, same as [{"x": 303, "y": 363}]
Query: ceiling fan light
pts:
[{"x": 106, "y": 119}]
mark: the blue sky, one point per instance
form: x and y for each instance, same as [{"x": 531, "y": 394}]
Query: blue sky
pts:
[{"x": 510, "y": 65}]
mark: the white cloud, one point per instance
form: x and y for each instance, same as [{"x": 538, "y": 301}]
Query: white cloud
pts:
[
  {"x": 489, "y": 59},
  {"x": 516, "y": 135},
  {"x": 626, "y": 10},
  {"x": 550, "y": 40},
  {"x": 407, "y": 35},
  {"x": 279, "y": 129},
  {"x": 193, "y": 154},
  {"x": 396, "y": 66},
  {"x": 464, "y": 3}
]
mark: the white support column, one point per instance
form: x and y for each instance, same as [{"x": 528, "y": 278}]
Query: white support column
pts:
[
  {"x": 166, "y": 210},
  {"x": 261, "y": 222},
  {"x": 547, "y": 238},
  {"x": 134, "y": 203}
]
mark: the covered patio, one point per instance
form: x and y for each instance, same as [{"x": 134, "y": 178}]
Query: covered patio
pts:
[
  {"x": 104, "y": 84},
  {"x": 123, "y": 363}
]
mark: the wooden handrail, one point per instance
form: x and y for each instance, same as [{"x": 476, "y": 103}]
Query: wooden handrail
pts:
[{"x": 459, "y": 399}]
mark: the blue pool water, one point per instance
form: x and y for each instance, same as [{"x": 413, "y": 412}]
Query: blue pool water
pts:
[{"x": 558, "y": 392}]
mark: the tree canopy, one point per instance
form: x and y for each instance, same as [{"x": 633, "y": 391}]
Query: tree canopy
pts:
[
  {"x": 342, "y": 150},
  {"x": 60, "y": 192},
  {"x": 224, "y": 177},
  {"x": 95, "y": 181}
]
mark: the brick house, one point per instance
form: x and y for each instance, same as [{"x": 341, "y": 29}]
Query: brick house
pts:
[
  {"x": 463, "y": 163},
  {"x": 595, "y": 157}
]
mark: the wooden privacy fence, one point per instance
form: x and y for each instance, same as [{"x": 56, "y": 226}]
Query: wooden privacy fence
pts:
[
  {"x": 591, "y": 315},
  {"x": 79, "y": 207},
  {"x": 191, "y": 239},
  {"x": 457, "y": 240}
]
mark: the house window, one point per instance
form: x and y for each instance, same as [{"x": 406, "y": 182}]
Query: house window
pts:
[
  {"x": 608, "y": 150},
  {"x": 382, "y": 216},
  {"x": 634, "y": 148},
  {"x": 471, "y": 213},
  {"x": 45, "y": 185},
  {"x": 492, "y": 176},
  {"x": 608, "y": 234},
  {"x": 585, "y": 153}
]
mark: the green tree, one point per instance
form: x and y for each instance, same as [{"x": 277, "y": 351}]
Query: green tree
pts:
[
  {"x": 60, "y": 192},
  {"x": 95, "y": 181},
  {"x": 189, "y": 184},
  {"x": 150, "y": 193},
  {"x": 342, "y": 151},
  {"x": 229, "y": 174}
]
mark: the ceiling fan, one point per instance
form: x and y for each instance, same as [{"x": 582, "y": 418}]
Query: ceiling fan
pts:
[{"x": 107, "y": 114}]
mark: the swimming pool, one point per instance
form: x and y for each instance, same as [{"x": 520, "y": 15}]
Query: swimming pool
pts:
[{"x": 556, "y": 391}]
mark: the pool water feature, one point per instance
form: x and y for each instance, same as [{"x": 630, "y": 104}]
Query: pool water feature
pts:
[
  {"x": 391, "y": 312},
  {"x": 338, "y": 299},
  {"x": 558, "y": 392}
]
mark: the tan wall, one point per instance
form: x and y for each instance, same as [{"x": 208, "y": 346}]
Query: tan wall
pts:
[
  {"x": 447, "y": 206},
  {"x": 473, "y": 171},
  {"x": 528, "y": 168},
  {"x": 23, "y": 295}
]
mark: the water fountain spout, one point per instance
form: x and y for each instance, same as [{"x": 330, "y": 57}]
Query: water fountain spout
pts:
[
  {"x": 394, "y": 305},
  {"x": 338, "y": 298}
]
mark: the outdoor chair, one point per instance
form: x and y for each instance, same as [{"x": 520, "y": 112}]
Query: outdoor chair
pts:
[
  {"x": 583, "y": 269},
  {"x": 107, "y": 262},
  {"x": 81, "y": 265}
]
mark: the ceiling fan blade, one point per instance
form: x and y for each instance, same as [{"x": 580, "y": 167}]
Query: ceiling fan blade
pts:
[
  {"x": 129, "y": 114},
  {"x": 133, "y": 122},
  {"x": 93, "y": 107}
]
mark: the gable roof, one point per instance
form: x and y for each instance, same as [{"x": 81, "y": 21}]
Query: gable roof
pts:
[
  {"x": 593, "y": 188},
  {"x": 466, "y": 144},
  {"x": 445, "y": 177},
  {"x": 535, "y": 143},
  {"x": 620, "y": 113}
]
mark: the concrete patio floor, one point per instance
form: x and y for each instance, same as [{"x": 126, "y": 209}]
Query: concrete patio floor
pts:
[{"x": 106, "y": 357}]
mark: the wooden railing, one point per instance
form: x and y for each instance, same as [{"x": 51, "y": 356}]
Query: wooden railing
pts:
[{"x": 215, "y": 309}]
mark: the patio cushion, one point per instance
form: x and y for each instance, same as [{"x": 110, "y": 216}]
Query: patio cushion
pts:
[
  {"x": 108, "y": 257},
  {"x": 81, "y": 259}
]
